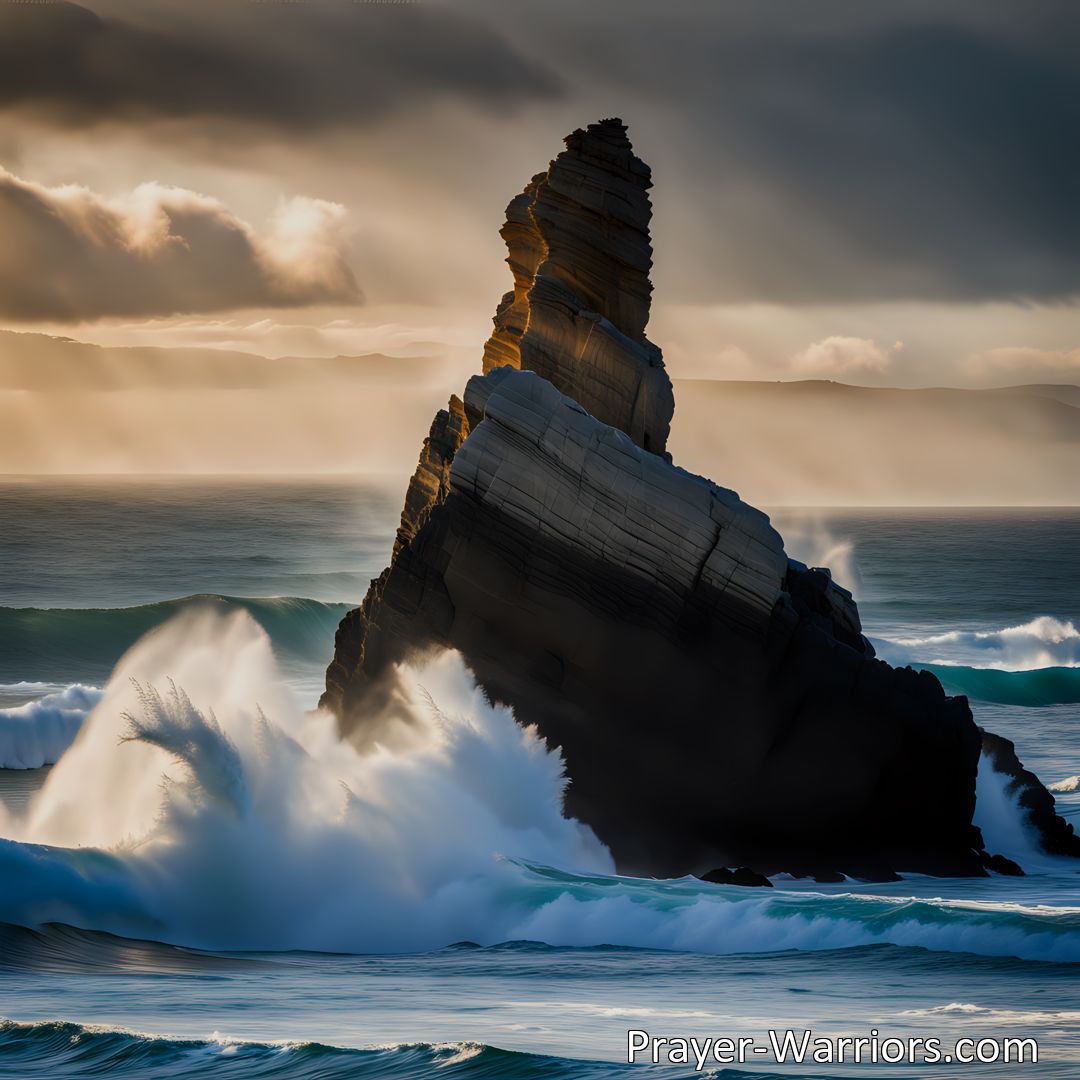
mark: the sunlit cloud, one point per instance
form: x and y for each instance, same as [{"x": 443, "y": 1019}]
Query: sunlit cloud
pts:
[
  {"x": 837, "y": 355},
  {"x": 70, "y": 254}
]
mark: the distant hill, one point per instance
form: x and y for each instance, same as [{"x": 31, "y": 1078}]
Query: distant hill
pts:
[
  {"x": 41, "y": 362},
  {"x": 69, "y": 407},
  {"x": 833, "y": 444},
  {"x": 1064, "y": 392}
]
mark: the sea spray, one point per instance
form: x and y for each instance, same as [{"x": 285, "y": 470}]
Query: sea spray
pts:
[
  {"x": 209, "y": 811},
  {"x": 1002, "y": 820},
  {"x": 808, "y": 538}
]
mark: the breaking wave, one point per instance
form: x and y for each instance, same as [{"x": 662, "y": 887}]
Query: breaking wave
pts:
[
  {"x": 1044, "y": 642},
  {"x": 1034, "y": 664},
  {"x": 55, "y": 1048},
  {"x": 1004, "y": 823},
  {"x": 199, "y": 806},
  {"x": 38, "y": 733},
  {"x": 43, "y": 645}
]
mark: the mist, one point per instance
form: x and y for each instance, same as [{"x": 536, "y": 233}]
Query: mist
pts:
[
  {"x": 830, "y": 444},
  {"x": 67, "y": 407}
]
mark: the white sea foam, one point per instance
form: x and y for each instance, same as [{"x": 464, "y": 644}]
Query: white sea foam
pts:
[
  {"x": 1043, "y": 642},
  {"x": 1005, "y": 826},
  {"x": 1070, "y": 783},
  {"x": 982, "y": 1015},
  {"x": 1003, "y": 822},
  {"x": 226, "y": 817},
  {"x": 212, "y": 812},
  {"x": 39, "y": 732}
]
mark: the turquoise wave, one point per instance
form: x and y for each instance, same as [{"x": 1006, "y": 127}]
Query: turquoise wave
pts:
[
  {"x": 1041, "y": 686},
  {"x": 58, "y": 645}
]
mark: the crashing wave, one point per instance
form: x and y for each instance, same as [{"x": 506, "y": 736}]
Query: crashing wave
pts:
[
  {"x": 1033, "y": 664},
  {"x": 75, "y": 1050},
  {"x": 1044, "y": 642},
  {"x": 37, "y": 733},
  {"x": 211, "y": 812}
]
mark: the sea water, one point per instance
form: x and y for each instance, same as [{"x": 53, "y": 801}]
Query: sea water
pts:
[{"x": 207, "y": 883}]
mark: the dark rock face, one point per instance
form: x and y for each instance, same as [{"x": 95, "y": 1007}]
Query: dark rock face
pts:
[
  {"x": 716, "y": 702},
  {"x": 741, "y": 875},
  {"x": 1001, "y": 865}
]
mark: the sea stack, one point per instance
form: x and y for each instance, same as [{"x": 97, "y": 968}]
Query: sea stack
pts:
[{"x": 716, "y": 703}]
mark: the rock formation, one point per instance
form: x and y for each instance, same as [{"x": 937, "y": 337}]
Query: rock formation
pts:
[
  {"x": 578, "y": 238},
  {"x": 716, "y": 702}
]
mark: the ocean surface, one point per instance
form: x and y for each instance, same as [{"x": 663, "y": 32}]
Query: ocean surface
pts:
[{"x": 205, "y": 883}]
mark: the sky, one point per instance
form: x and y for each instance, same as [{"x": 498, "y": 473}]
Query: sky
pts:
[{"x": 879, "y": 193}]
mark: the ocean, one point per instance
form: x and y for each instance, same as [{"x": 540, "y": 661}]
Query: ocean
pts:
[{"x": 208, "y": 884}]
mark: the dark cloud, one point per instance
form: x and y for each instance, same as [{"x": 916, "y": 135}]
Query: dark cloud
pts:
[
  {"x": 292, "y": 65},
  {"x": 834, "y": 151},
  {"x": 70, "y": 255},
  {"x": 844, "y": 150},
  {"x": 923, "y": 161}
]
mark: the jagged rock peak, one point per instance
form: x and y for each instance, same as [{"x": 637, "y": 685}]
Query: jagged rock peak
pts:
[{"x": 579, "y": 250}]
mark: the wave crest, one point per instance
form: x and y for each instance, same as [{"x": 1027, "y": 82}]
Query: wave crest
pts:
[
  {"x": 38, "y": 733},
  {"x": 1043, "y": 642},
  {"x": 1043, "y": 686},
  {"x": 75, "y": 1050}
]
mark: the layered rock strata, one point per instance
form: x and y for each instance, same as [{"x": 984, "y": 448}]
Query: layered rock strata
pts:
[
  {"x": 579, "y": 251},
  {"x": 716, "y": 703}
]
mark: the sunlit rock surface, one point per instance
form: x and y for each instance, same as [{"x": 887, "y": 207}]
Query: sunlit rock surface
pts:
[
  {"x": 716, "y": 703},
  {"x": 579, "y": 251}
]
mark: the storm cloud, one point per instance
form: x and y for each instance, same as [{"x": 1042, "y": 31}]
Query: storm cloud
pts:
[
  {"x": 295, "y": 66},
  {"x": 804, "y": 153},
  {"x": 840, "y": 150},
  {"x": 70, "y": 254}
]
